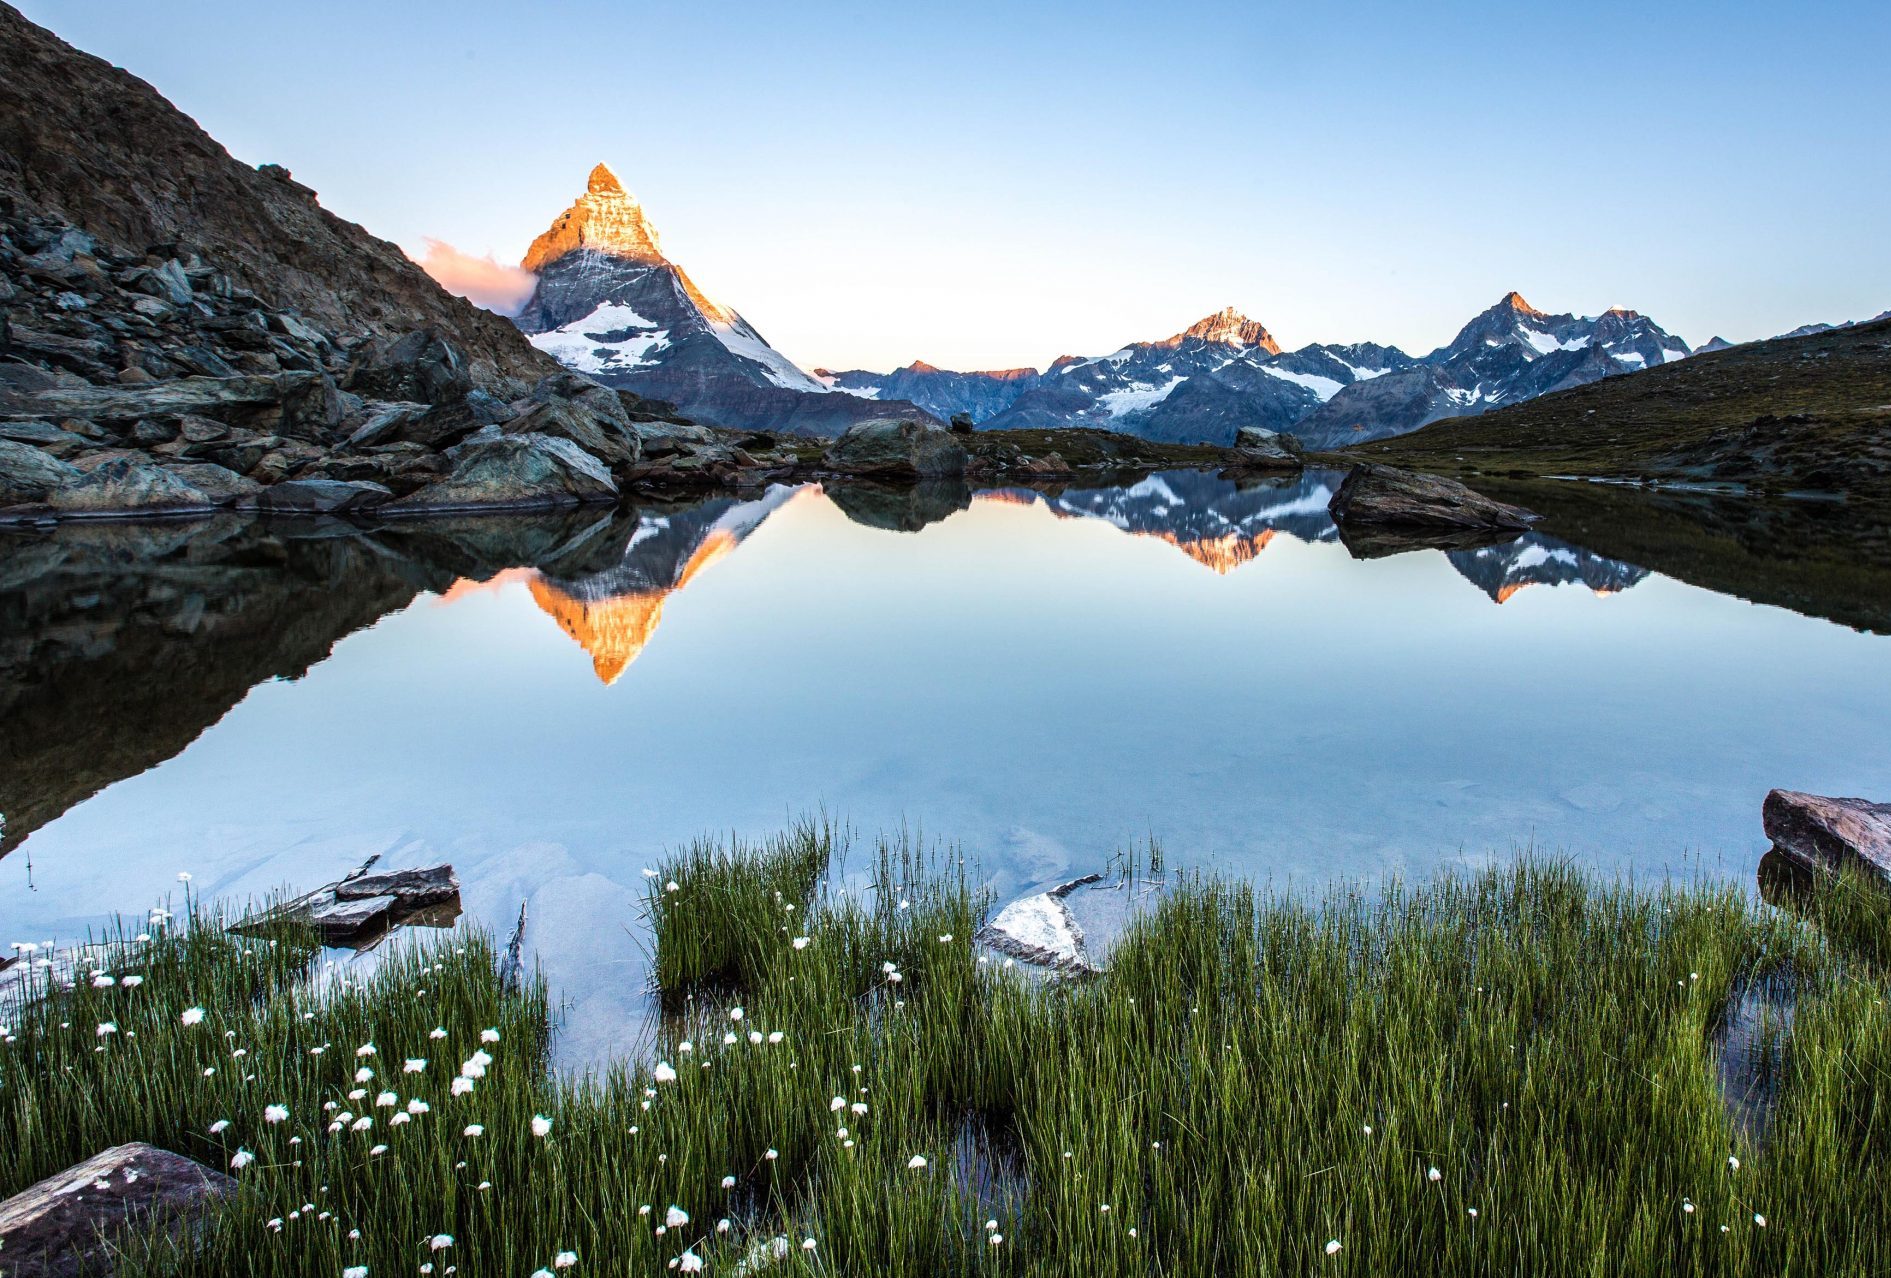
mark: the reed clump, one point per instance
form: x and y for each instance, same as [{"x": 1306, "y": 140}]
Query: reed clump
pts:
[{"x": 1507, "y": 1073}]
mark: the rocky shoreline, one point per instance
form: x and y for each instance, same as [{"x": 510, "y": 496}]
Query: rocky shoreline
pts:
[{"x": 141, "y": 384}]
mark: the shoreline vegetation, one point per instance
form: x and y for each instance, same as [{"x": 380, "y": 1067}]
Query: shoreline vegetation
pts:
[{"x": 1527, "y": 1070}]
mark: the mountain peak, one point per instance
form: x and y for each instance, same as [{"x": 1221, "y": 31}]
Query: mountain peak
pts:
[
  {"x": 1513, "y": 301},
  {"x": 604, "y": 181},
  {"x": 605, "y": 219},
  {"x": 1231, "y": 328}
]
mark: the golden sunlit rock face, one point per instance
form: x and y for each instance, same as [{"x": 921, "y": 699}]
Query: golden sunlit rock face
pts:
[
  {"x": 1504, "y": 592},
  {"x": 605, "y": 218}
]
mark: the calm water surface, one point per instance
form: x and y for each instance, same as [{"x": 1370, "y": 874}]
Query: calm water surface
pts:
[{"x": 1040, "y": 678}]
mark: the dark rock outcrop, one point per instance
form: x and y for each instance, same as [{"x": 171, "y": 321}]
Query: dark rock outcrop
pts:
[
  {"x": 70, "y": 1223},
  {"x": 890, "y": 447},
  {"x": 496, "y": 471},
  {"x": 1829, "y": 835},
  {"x": 1385, "y": 495}
]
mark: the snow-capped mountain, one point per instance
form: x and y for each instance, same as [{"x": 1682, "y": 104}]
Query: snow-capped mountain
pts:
[
  {"x": 1510, "y": 353},
  {"x": 609, "y": 304},
  {"x": 1227, "y": 372},
  {"x": 1221, "y": 373}
]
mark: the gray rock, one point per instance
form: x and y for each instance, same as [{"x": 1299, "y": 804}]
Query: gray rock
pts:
[
  {"x": 129, "y": 486},
  {"x": 173, "y": 398},
  {"x": 501, "y": 471},
  {"x": 1258, "y": 448},
  {"x": 337, "y": 920},
  {"x": 219, "y": 483},
  {"x": 384, "y": 424},
  {"x": 54, "y": 439},
  {"x": 169, "y": 282},
  {"x": 1374, "y": 494},
  {"x": 1830, "y": 835},
  {"x": 893, "y": 447},
  {"x": 1073, "y": 927},
  {"x": 422, "y": 365},
  {"x": 70, "y": 1223},
  {"x": 29, "y": 474},
  {"x": 430, "y": 886},
  {"x": 604, "y": 438},
  {"x": 316, "y": 496}
]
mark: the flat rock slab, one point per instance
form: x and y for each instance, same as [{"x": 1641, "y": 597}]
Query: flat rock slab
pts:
[
  {"x": 1374, "y": 494},
  {"x": 1830, "y": 835},
  {"x": 360, "y": 910},
  {"x": 1073, "y": 927},
  {"x": 66, "y": 1224}
]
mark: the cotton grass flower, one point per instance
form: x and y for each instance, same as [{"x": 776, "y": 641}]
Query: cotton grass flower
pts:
[
  {"x": 1332, "y": 1246},
  {"x": 489, "y": 1036},
  {"x": 689, "y": 1263},
  {"x": 564, "y": 1260},
  {"x": 461, "y": 1087},
  {"x": 414, "y": 1065},
  {"x": 440, "y": 1242},
  {"x": 800, "y": 942},
  {"x": 1434, "y": 1175},
  {"x": 107, "y": 1028},
  {"x": 417, "y": 1106},
  {"x": 916, "y": 1163},
  {"x": 541, "y": 1126},
  {"x": 355, "y": 1271},
  {"x": 241, "y": 1159},
  {"x": 664, "y": 1073},
  {"x": 474, "y": 1130},
  {"x": 437, "y": 1033},
  {"x": 807, "y": 1244},
  {"x": 675, "y": 1217}
]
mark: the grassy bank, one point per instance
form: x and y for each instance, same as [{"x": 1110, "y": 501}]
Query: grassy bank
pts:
[{"x": 1513, "y": 1073}]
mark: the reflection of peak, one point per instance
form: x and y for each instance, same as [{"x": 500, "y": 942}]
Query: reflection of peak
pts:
[
  {"x": 1224, "y": 553},
  {"x": 613, "y": 631},
  {"x": 1533, "y": 559}
]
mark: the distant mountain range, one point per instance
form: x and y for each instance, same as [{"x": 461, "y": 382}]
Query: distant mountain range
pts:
[
  {"x": 1227, "y": 372},
  {"x": 609, "y": 304}
]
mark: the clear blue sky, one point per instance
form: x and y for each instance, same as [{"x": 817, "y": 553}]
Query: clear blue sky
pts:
[{"x": 997, "y": 184}]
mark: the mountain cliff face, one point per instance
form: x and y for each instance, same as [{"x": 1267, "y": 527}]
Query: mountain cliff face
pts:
[
  {"x": 610, "y": 305},
  {"x": 1227, "y": 371},
  {"x": 90, "y": 144}
]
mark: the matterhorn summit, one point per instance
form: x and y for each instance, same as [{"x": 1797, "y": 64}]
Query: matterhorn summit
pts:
[{"x": 610, "y": 305}]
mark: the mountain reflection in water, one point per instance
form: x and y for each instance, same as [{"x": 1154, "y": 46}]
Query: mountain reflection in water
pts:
[{"x": 1045, "y": 673}]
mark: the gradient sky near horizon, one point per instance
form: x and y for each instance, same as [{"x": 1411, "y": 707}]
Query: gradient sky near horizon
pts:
[{"x": 996, "y": 184}]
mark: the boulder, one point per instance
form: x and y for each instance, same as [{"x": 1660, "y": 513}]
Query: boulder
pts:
[
  {"x": 497, "y": 471},
  {"x": 129, "y": 486},
  {"x": 219, "y": 483},
  {"x": 605, "y": 438},
  {"x": 422, "y": 365},
  {"x": 316, "y": 496},
  {"x": 444, "y": 425},
  {"x": 72, "y": 1222},
  {"x": 29, "y": 474},
  {"x": 1829, "y": 835},
  {"x": 384, "y": 424},
  {"x": 1374, "y": 494},
  {"x": 1258, "y": 448},
  {"x": 56, "y": 440},
  {"x": 896, "y": 448}
]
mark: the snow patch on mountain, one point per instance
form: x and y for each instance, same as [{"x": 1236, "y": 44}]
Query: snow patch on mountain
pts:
[
  {"x": 1324, "y": 387},
  {"x": 1137, "y": 398}
]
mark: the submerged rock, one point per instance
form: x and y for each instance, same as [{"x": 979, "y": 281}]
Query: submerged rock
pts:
[
  {"x": 1374, "y": 494},
  {"x": 360, "y": 910},
  {"x": 73, "y": 1222},
  {"x": 1829, "y": 835},
  {"x": 1257, "y": 448},
  {"x": 892, "y": 447},
  {"x": 1073, "y": 927}
]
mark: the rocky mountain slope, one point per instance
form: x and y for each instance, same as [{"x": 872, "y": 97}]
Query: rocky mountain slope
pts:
[
  {"x": 1791, "y": 414},
  {"x": 1227, "y": 371},
  {"x": 608, "y": 304},
  {"x": 180, "y": 333}
]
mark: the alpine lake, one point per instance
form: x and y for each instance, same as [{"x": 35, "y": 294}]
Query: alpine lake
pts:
[{"x": 1036, "y": 681}]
